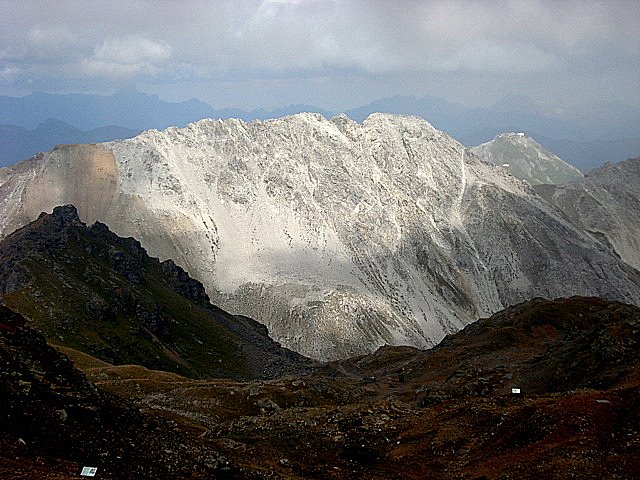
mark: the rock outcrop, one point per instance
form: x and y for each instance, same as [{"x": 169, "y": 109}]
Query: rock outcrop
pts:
[{"x": 88, "y": 289}]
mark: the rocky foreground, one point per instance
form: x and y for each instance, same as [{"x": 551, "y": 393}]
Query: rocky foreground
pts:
[{"x": 444, "y": 413}]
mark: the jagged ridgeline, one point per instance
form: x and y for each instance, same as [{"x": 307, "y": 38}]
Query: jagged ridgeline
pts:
[
  {"x": 90, "y": 290},
  {"x": 339, "y": 237}
]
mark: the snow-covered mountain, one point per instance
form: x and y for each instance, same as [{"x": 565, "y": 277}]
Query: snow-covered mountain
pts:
[
  {"x": 527, "y": 160},
  {"x": 339, "y": 236}
]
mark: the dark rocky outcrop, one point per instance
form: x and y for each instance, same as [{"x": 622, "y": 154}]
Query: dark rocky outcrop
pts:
[
  {"x": 89, "y": 289},
  {"x": 182, "y": 283}
]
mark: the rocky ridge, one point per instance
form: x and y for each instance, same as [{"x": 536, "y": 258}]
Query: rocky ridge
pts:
[
  {"x": 607, "y": 205},
  {"x": 88, "y": 289},
  {"x": 340, "y": 237}
]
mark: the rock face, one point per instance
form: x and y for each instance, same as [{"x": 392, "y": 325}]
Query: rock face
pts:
[
  {"x": 340, "y": 237},
  {"x": 527, "y": 160},
  {"x": 88, "y": 289},
  {"x": 607, "y": 205}
]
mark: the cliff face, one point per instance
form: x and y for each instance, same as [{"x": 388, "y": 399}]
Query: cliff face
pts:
[{"x": 339, "y": 237}]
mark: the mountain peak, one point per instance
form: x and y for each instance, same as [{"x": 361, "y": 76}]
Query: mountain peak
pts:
[
  {"x": 67, "y": 213},
  {"x": 512, "y": 136},
  {"x": 526, "y": 159},
  {"x": 62, "y": 216}
]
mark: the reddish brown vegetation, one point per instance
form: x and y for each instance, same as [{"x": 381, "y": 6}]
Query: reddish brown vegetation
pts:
[{"x": 402, "y": 413}]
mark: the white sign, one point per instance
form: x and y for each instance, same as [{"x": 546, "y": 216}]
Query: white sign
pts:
[
  {"x": 515, "y": 390},
  {"x": 89, "y": 471}
]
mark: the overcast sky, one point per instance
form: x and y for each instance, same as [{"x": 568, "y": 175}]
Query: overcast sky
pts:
[{"x": 334, "y": 54}]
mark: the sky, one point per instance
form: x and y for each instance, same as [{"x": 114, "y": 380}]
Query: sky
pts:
[{"x": 334, "y": 54}]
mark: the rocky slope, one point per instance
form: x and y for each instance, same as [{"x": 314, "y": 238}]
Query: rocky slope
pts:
[
  {"x": 53, "y": 422},
  {"x": 527, "y": 160},
  {"x": 607, "y": 205},
  {"x": 340, "y": 237},
  {"x": 86, "y": 288},
  {"x": 443, "y": 413}
]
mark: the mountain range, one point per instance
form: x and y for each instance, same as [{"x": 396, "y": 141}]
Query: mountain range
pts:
[
  {"x": 18, "y": 143},
  {"x": 409, "y": 265},
  {"x": 585, "y": 136},
  {"x": 340, "y": 237}
]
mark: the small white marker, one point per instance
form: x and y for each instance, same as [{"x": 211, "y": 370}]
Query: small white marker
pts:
[
  {"x": 89, "y": 471},
  {"x": 515, "y": 391}
]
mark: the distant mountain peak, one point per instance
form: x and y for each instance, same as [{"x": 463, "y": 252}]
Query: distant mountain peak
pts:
[
  {"x": 512, "y": 135},
  {"x": 526, "y": 159}
]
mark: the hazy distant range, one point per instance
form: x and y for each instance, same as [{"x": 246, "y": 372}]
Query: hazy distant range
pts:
[{"x": 585, "y": 137}]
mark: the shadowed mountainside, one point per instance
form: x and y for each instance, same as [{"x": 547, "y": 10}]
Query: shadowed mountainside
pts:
[{"x": 53, "y": 421}]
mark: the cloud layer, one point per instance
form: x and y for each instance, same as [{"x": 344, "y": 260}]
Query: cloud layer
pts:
[
  {"x": 107, "y": 42},
  {"x": 127, "y": 56}
]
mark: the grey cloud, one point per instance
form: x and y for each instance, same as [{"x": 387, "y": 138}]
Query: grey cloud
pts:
[
  {"x": 214, "y": 40},
  {"x": 127, "y": 56}
]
